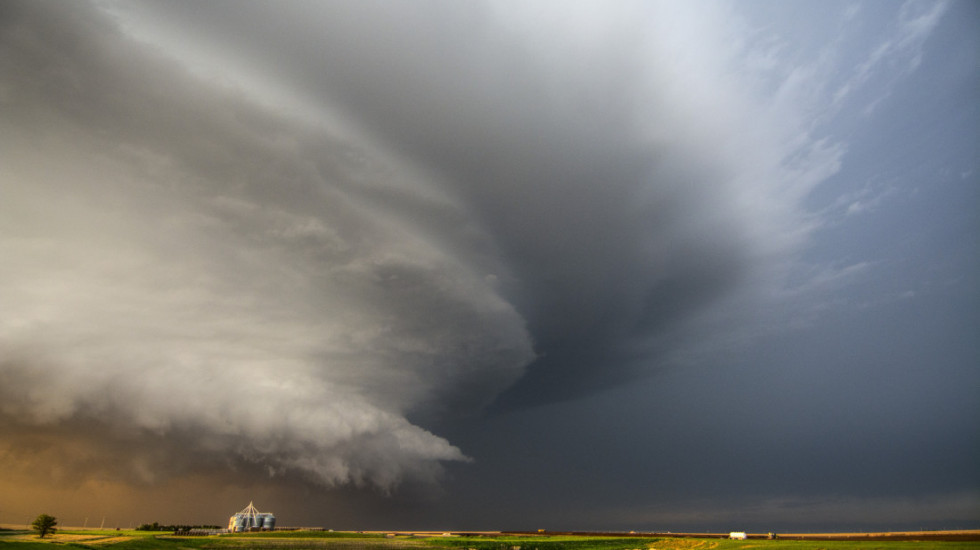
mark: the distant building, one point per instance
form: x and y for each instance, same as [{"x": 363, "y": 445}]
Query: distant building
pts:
[
  {"x": 251, "y": 519},
  {"x": 737, "y": 535}
]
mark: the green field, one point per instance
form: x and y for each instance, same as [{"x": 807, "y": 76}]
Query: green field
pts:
[{"x": 298, "y": 540}]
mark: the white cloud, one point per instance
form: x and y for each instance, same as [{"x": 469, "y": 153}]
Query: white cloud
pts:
[{"x": 896, "y": 55}]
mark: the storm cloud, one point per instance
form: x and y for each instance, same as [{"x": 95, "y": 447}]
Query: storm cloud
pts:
[
  {"x": 179, "y": 263},
  {"x": 626, "y": 177},
  {"x": 307, "y": 239}
]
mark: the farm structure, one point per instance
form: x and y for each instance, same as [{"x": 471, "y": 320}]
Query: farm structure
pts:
[{"x": 251, "y": 519}]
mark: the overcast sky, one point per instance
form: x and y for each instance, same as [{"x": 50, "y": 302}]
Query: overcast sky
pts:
[{"x": 491, "y": 264}]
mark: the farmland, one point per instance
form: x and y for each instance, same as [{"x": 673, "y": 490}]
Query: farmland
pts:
[{"x": 320, "y": 540}]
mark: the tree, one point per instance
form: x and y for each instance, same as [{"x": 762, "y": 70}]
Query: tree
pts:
[{"x": 44, "y": 524}]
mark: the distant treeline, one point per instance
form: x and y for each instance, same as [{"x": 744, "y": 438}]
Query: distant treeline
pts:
[{"x": 157, "y": 527}]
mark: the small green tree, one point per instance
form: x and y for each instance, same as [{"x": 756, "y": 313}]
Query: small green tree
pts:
[{"x": 44, "y": 524}]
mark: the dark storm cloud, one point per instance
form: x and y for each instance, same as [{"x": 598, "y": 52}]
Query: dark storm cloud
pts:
[
  {"x": 309, "y": 240},
  {"x": 180, "y": 261},
  {"x": 485, "y": 180},
  {"x": 619, "y": 198}
]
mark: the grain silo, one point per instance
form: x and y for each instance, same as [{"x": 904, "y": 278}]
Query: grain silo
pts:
[{"x": 251, "y": 519}]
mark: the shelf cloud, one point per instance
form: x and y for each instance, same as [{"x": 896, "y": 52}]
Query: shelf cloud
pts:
[{"x": 307, "y": 239}]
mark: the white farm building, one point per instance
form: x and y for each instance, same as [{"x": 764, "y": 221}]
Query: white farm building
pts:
[{"x": 251, "y": 519}]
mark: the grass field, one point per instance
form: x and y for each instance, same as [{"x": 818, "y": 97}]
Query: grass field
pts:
[{"x": 315, "y": 540}]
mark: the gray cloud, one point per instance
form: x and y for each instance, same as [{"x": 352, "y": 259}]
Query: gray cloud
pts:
[
  {"x": 181, "y": 261},
  {"x": 317, "y": 241},
  {"x": 189, "y": 260},
  {"x": 621, "y": 198}
]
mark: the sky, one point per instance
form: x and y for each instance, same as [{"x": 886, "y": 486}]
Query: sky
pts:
[{"x": 651, "y": 265}]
